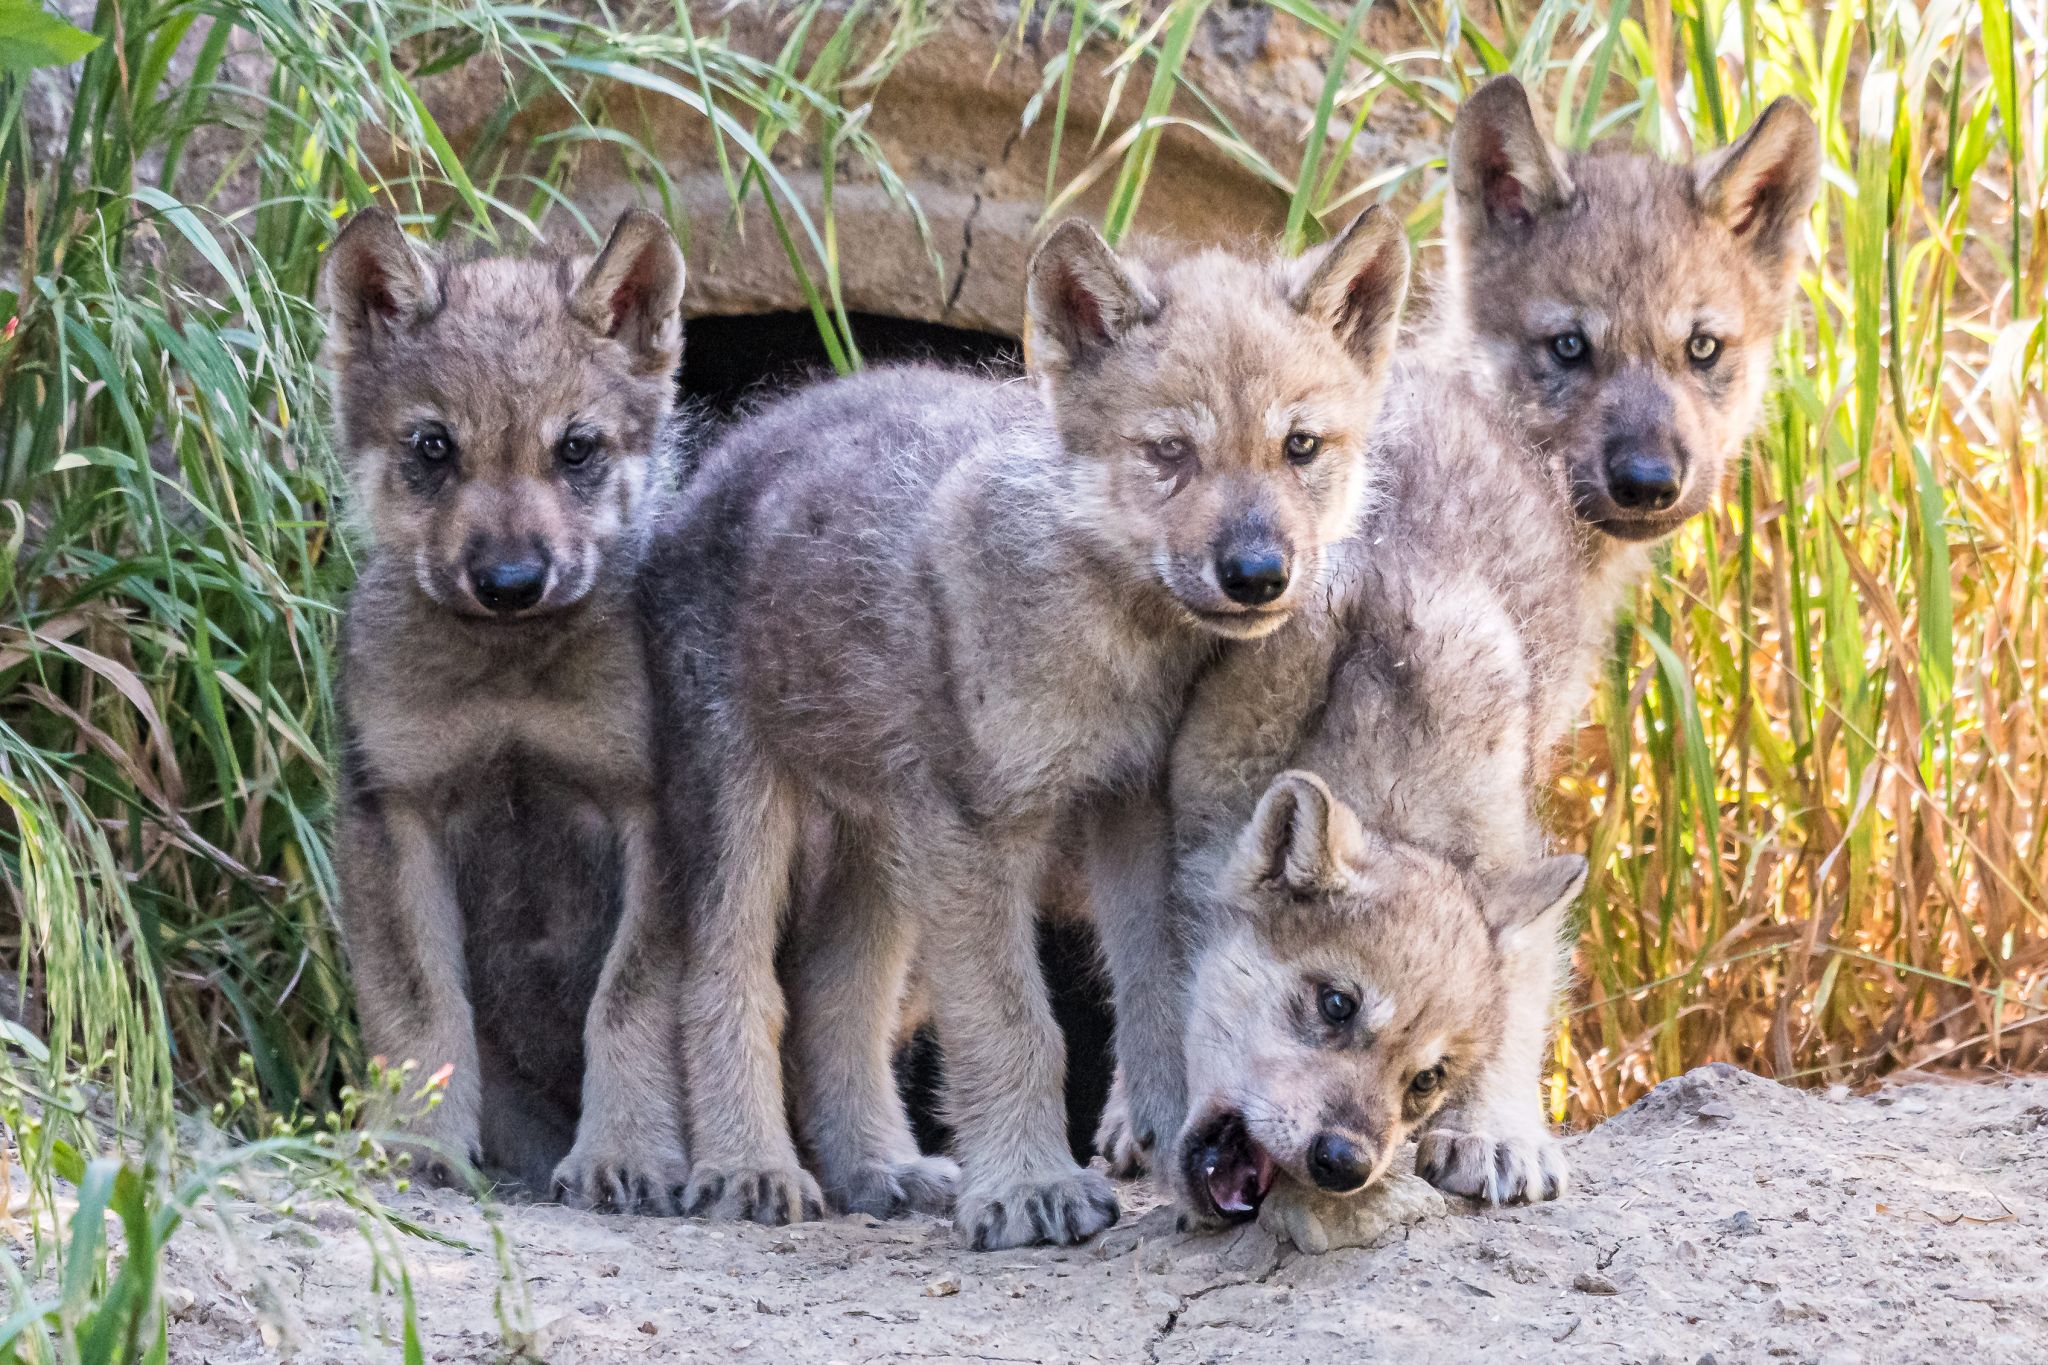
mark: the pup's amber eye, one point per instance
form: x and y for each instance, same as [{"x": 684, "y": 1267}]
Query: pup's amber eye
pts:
[
  {"x": 1337, "y": 1006},
  {"x": 1570, "y": 348},
  {"x": 1426, "y": 1081},
  {"x": 1703, "y": 350},
  {"x": 576, "y": 448},
  {"x": 1303, "y": 447},
  {"x": 431, "y": 443}
]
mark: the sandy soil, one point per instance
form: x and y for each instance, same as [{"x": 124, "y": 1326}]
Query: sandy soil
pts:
[{"x": 1723, "y": 1218}]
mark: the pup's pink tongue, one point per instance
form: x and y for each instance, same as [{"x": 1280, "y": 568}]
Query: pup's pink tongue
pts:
[{"x": 1239, "y": 1183}]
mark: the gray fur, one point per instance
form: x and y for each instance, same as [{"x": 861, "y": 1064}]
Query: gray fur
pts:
[
  {"x": 1465, "y": 617},
  {"x": 494, "y": 843},
  {"x": 947, "y": 611}
]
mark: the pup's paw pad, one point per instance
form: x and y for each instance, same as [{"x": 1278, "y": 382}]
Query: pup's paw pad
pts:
[
  {"x": 1524, "y": 1169},
  {"x": 1315, "y": 1222},
  {"x": 1068, "y": 1209},
  {"x": 772, "y": 1195},
  {"x": 615, "y": 1181},
  {"x": 892, "y": 1189}
]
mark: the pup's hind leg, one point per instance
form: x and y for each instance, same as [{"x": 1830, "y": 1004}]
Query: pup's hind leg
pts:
[
  {"x": 526, "y": 1130},
  {"x": 846, "y": 966},
  {"x": 744, "y": 1165}
]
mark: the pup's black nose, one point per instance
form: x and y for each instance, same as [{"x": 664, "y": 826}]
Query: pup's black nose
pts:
[
  {"x": 1641, "y": 477},
  {"x": 1253, "y": 577},
  {"x": 508, "y": 585},
  {"x": 1334, "y": 1164}
]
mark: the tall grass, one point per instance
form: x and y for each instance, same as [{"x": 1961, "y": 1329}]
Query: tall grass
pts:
[{"x": 1814, "y": 783}]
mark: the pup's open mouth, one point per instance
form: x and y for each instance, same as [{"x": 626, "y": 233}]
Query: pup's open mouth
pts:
[{"x": 1227, "y": 1169}]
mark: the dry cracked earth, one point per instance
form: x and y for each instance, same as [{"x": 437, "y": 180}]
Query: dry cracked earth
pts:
[{"x": 1723, "y": 1218}]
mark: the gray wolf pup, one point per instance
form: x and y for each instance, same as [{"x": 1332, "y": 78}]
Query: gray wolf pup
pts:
[
  {"x": 1602, "y": 355},
  {"x": 1348, "y": 989},
  {"x": 953, "y": 609},
  {"x": 509, "y": 433}
]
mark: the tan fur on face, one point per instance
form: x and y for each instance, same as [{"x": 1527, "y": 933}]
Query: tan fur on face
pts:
[
  {"x": 1640, "y": 257},
  {"x": 1316, "y": 903},
  {"x": 501, "y": 357},
  {"x": 1227, "y": 357}
]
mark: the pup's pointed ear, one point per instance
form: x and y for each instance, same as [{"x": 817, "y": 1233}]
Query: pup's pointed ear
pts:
[
  {"x": 1522, "y": 897},
  {"x": 1301, "y": 838},
  {"x": 1358, "y": 289},
  {"x": 1504, "y": 172},
  {"x": 1762, "y": 184},
  {"x": 1079, "y": 298},
  {"x": 374, "y": 282},
  {"x": 634, "y": 291}
]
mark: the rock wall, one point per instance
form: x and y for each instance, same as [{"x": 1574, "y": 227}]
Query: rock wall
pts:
[{"x": 950, "y": 119}]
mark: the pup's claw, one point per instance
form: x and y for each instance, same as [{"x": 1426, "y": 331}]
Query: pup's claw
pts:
[
  {"x": 773, "y": 1196},
  {"x": 1062, "y": 1211},
  {"x": 1524, "y": 1169},
  {"x": 892, "y": 1189},
  {"x": 616, "y": 1181},
  {"x": 1128, "y": 1153}
]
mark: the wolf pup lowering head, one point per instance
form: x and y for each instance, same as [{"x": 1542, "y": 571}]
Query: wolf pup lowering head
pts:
[
  {"x": 1624, "y": 306},
  {"x": 499, "y": 417},
  {"x": 1358, "y": 992},
  {"x": 1248, "y": 428}
]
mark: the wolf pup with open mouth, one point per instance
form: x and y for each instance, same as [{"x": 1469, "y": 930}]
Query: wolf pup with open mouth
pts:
[{"x": 1347, "y": 988}]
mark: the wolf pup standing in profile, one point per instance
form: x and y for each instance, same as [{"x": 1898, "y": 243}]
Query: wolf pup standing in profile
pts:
[
  {"x": 509, "y": 433},
  {"x": 1602, "y": 355},
  {"x": 955, "y": 608}
]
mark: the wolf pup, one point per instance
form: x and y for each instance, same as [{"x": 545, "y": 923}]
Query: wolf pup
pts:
[
  {"x": 1347, "y": 990},
  {"x": 1603, "y": 355},
  {"x": 509, "y": 433},
  {"x": 952, "y": 609}
]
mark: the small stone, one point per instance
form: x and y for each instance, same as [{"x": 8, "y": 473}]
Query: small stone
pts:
[
  {"x": 1741, "y": 1224},
  {"x": 648, "y": 1329},
  {"x": 608, "y": 1271},
  {"x": 1589, "y": 1282},
  {"x": 1716, "y": 1109},
  {"x": 945, "y": 1287}
]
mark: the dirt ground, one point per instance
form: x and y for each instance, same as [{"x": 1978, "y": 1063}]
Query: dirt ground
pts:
[{"x": 1724, "y": 1218}]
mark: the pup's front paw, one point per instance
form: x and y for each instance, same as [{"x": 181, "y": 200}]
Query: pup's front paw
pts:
[
  {"x": 1526, "y": 1168},
  {"x": 890, "y": 1189},
  {"x": 1116, "y": 1138},
  {"x": 1316, "y": 1222},
  {"x": 771, "y": 1195},
  {"x": 1062, "y": 1211},
  {"x": 616, "y": 1179}
]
